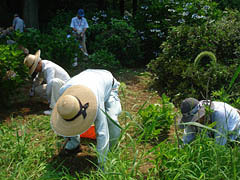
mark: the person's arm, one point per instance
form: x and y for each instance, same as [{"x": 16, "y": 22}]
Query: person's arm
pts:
[
  {"x": 219, "y": 138},
  {"x": 36, "y": 82},
  {"x": 83, "y": 32},
  {"x": 74, "y": 29},
  {"x": 73, "y": 26},
  {"x": 85, "y": 27},
  {"x": 49, "y": 74},
  {"x": 189, "y": 134},
  {"x": 102, "y": 134}
]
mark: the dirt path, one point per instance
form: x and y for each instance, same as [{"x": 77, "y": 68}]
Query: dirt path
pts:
[{"x": 137, "y": 90}]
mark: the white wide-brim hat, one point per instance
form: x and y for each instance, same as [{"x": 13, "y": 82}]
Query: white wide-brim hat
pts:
[
  {"x": 74, "y": 112},
  {"x": 31, "y": 61}
]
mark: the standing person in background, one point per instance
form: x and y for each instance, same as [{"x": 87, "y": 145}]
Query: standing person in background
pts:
[
  {"x": 48, "y": 78},
  {"x": 79, "y": 26},
  {"x": 18, "y": 23}
]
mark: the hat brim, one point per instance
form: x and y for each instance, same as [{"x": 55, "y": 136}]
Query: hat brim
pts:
[
  {"x": 79, "y": 125},
  {"x": 36, "y": 61},
  {"x": 201, "y": 112}
]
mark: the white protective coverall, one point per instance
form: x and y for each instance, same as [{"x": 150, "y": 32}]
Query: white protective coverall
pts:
[{"x": 105, "y": 87}]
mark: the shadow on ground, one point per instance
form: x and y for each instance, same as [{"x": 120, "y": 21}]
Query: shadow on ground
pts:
[
  {"x": 27, "y": 107},
  {"x": 81, "y": 161}
]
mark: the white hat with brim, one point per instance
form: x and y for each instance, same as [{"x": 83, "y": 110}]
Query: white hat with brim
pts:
[
  {"x": 74, "y": 112},
  {"x": 31, "y": 61}
]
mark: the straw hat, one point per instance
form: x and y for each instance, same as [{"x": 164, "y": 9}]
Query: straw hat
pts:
[
  {"x": 192, "y": 110},
  {"x": 31, "y": 61},
  {"x": 74, "y": 112}
]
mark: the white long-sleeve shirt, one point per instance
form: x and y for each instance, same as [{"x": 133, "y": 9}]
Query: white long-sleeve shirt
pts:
[
  {"x": 103, "y": 84},
  {"x": 227, "y": 122},
  {"x": 79, "y": 24},
  {"x": 50, "y": 71}
]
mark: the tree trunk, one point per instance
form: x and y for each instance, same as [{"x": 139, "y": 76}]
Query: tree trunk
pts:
[
  {"x": 30, "y": 14},
  {"x": 122, "y": 7},
  {"x": 101, "y": 4},
  {"x": 134, "y": 6}
]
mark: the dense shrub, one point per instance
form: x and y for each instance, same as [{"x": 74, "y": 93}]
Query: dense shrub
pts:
[
  {"x": 232, "y": 4},
  {"x": 155, "y": 18},
  {"x": 174, "y": 70},
  {"x": 12, "y": 71},
  {"x": 54, "y": 46},
  {"x": 59, "y": 48},
  {"x": 102, "y": 59},
  {"x": 119, "y": 38},
  {"x": 156, "y": 120}
]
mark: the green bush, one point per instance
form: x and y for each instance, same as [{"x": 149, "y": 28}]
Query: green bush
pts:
[
  {"x": 119, "y": 38},
  {"x": 156, "y": 120},
  {"x": 59, "y": 48},
  {"x": 102, "y": 59},
  {"x": 232, "y": 4},
  {"x": 12, "y": 71},
  {"x": 54, "y": 46},
  {"x": 174, "y": 68},
  {"x": 155, "y": 18}
]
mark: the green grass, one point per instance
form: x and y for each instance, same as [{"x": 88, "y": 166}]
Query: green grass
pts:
[
  {"x": 29, "y": 145},
  {"x": 26, "y": 145},
  {"x": 29, "y": 150}
]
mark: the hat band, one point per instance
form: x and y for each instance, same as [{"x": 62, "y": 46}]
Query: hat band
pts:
[
  {"x": 82, "y": 111},
  {"x": 34, "y": 74}
]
